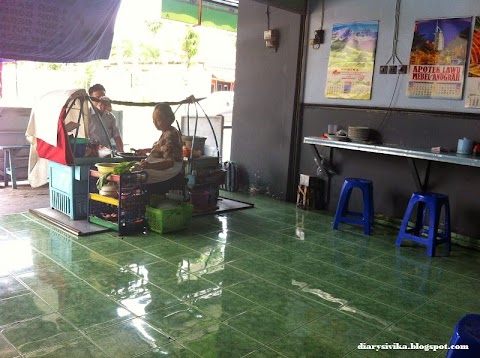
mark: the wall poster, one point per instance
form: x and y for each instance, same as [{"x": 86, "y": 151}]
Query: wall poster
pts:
[
  {"x": 352, "y": 60},
  {"x": 472, "y": 96},
  {"x": 438, "y": 57}
]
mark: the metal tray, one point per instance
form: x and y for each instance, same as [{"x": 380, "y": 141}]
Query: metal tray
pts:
[{"x": 131, "y": 156}]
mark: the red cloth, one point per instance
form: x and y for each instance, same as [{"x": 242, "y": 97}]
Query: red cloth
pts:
[{"x": 62, "y": 153}]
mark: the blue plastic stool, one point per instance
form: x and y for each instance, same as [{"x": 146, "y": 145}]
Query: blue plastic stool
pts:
[
  {"x": 466, "y": 332},
  {"x": 431, "y": 203},
  {"x": 343, "y": 215}
]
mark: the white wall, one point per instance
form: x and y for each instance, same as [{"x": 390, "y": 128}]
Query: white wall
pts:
[{"x": 347, "y": 11}]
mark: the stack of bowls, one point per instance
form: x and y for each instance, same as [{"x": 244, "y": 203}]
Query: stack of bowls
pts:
[{"x": 359, "y": 134}]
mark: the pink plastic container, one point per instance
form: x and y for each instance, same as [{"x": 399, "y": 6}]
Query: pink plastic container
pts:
[{"x": 199, "y": 199}]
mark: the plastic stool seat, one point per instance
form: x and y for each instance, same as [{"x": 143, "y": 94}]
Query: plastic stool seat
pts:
[
  {"x": 466, "y": 332},
  {"x": 343, "y": 215},
  {"x": 432, "y": 204}
]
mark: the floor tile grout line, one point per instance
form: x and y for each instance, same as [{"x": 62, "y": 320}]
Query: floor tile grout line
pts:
[
  {"x": 263, "y": 345},
  {"x": 358, "y": 294},
  {"x": 364, "y": 295},
  {"x": 44, "y": 225},
  {"x": 157, "y": 286},
  {"x": 296, "y": 329},
  {"x": 278, "y": 246},
  {"x": 8, "y": 341},
  {"x": 409, "y": 315},
  {"x": 412, "y": 313},
  {"x": 439, "y": 268},
  {"x": 273, "y": 312},
  {"x": 389, "y": 267},
  {"x": 27, "y": 289},
  {"x": 77, "y": 329},
  {"x": 447, "y": 304},
  {"x": 174, "y": 341},
  {"x": 85, "y": 282},
  {"x": 82, "y": 335},
  {"x": 236, "y": 268},
  {"x": 250, "y": 254},
  {"x": 344, "y": 241},
  {"x": 296, "y": 292}
]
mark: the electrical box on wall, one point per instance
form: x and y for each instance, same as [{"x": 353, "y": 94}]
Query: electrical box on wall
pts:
[
  {"x": 271, "y": 38},
  {"x": 318, "y": 39}
]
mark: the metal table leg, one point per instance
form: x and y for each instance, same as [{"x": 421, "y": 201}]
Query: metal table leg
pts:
[
  {"x": 420, "y": 185},
  {"x": 11, "y": 170},
  {"x": 5, "y": 178},
  {"x": 10, "y": 153}
]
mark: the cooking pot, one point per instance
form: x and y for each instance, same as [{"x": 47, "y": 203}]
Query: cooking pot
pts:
[{"x": 110, "y": 189}]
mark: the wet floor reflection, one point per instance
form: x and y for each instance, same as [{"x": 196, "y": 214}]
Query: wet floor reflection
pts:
[{"x": 268, "y": 282}]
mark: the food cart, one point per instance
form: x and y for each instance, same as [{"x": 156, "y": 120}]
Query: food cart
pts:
[{"x": 58, "y": 133}]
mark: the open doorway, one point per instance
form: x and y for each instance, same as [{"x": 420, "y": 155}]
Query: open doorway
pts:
[
  {"x": 189, "y": 57},
  {"x": 159, "y": 53}
]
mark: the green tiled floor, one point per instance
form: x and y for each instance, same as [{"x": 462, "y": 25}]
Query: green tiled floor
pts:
[{"x": 272, "y": 281}]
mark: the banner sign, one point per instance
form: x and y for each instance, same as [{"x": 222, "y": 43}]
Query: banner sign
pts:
[
  {"x": 220, "y": 14},
  {"x": 352, "y": 60},
  {"x": 57, "y": 31},
  {"x": 438, "y": 57}
]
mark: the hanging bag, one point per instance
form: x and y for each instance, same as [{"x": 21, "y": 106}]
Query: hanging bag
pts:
[{"x": 231, "y": 176}]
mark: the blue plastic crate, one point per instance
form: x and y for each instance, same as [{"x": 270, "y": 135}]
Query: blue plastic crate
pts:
[
  {"x": 74, "y": 206},
  {"x": 69, "y": 179},
  {"x": 68, "y": 192}
]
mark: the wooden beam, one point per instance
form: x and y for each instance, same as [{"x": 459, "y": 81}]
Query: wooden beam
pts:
[{"x": 200, "y": 3}]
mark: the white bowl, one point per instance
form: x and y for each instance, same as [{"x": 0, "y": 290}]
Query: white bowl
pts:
[{"x": 110, "y": 190}]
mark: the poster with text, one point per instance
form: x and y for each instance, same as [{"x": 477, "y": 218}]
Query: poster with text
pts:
[
  {"x": 352, "y": 59},
  {"x": 438, "y": 57},
  {"x": 472, "y": 95}
]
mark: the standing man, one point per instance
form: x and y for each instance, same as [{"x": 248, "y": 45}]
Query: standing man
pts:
[{"x": 96, "y": 132}]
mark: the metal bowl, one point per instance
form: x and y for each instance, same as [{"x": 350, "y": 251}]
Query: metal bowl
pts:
[{"x": 131, "y": 156}]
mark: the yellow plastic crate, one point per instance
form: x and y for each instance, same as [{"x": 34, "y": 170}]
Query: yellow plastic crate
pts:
[{"x": 169, "y": 220}]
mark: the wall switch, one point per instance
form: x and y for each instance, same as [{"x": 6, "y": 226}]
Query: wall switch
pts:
[{"x": 392, "y": 70}]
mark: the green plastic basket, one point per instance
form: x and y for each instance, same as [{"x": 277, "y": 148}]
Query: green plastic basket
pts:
[{"x": 169, "y": 220}]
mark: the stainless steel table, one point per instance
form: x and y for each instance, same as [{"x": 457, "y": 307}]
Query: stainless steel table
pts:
[
  {"x": 410, "y": 153},
  {"x": 9, "y": 165}
]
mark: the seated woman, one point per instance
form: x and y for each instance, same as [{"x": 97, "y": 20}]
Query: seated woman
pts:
[{"x": 164, "y": 164}]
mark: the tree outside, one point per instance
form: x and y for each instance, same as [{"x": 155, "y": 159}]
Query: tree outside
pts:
[
  {"x": 190, "y": 46},
  {"x": 153, "y": 59}
]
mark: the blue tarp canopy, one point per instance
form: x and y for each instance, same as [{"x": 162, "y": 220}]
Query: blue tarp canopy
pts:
[{"x": 57, "y": 31}]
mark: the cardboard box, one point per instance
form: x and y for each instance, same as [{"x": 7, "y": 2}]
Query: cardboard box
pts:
[{"x": 309, "y": 181}]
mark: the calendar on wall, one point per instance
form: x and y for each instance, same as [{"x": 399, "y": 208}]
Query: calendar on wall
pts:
[
  {"x": 438, "y": 58},
  {"x": 472, "y": 92},
  {"x": 351, "y": 61}
]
